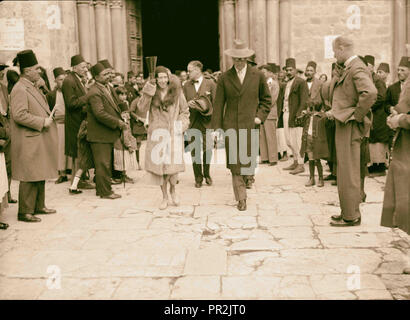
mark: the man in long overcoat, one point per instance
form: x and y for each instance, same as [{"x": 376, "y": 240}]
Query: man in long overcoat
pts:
[
  {"x": 242, "y": 101},
  {"x": 352, "y": 97},
  {"x": 34, "y": 140},
  {"x": 75, "y": 100}
]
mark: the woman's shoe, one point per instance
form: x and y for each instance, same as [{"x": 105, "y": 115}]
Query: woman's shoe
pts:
[
  {"x": 164, "y": 204},
  {"x": 175, "y": 200}
]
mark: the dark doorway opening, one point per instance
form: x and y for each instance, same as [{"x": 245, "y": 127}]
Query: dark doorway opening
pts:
[{"x": 178, "y": 31}]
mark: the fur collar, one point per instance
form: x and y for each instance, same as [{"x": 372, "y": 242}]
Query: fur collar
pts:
[{"x": 173, "y": 92}]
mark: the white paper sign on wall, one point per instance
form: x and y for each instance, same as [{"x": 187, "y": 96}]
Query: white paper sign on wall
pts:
[
  {"x": 11, "y": 34},
  {"x": 328, "y": 40}
]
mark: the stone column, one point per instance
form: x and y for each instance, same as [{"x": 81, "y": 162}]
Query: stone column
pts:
[
  {"x": 408, "y": 27},
  {"x": 272, "y": 31},
  {"x": 108, "y": 29},
  {"x": 229, "y": 27},
  {"x": 126, "y": 65},
  {"x": 284, "y": 27},
  {"x": 399, "y": 48},
  {"x": 117, "y": 34},
  {"x": 101, "y": 30},
  {"x": 83, "y": 14},
  {"x": 258, "y": 22},
  {"x": 221, "y": 35},
  {"x": 242, "y": 20},
  {"x": 93, "y": 40}
]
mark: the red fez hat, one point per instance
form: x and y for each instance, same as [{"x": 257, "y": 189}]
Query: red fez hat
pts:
[
  {"x": 312, "y": 64},
  {"x": 106, "y": 64},
  {"x": 58, "y": 72},
  {"x": 404, "y": 62},
  {"x": 76, "y": 60},
  {"x": 369, "y": 59},
  {"x": 290, "y": 63},
  {"x": 97, "y": 69},
  {"x": 26, "y": 59},
  {"x": 384, "y": 67}
]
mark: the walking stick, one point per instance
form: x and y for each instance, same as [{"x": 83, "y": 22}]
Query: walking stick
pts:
[{"x": 123, "y": 159}]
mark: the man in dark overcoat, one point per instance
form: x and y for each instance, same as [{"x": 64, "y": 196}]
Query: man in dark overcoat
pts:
[
  {"x": 34, "y": 140},
  {"x": 75, "y": 100},
  {"x": 197, "y": 86},
  {"x": 352, "y": 97},
  {"x": 242, "y": 101}
]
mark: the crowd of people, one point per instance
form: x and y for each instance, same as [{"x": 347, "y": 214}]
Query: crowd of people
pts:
[{"x": 92, "y": 119}]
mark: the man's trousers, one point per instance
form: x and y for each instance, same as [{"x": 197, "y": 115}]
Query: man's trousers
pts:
[
  {"x": 268, "y": 142},
  {"x": 293, "y": 138},
  {"x": 202, "y": 159},
  {"x": 31, "y": 196},
  {"x": 348, "y": 140},
  {"x": 102, "y": 153}
]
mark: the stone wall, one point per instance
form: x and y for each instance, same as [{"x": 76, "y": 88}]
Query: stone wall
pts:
[
  {"x": 312, "y": 20},
  {"x": 53, "y": 47}
]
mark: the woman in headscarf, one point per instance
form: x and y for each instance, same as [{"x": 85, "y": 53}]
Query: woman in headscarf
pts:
[
  {"x": 396, "y": 204},
  {"x": 168, "y": 117}
]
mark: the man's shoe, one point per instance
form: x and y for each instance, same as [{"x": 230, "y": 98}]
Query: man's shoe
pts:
[
  {"x": 11, "y": 200},
  {"x": 273, "y": 164},
  {"x": 406, "y": 270},
  {"x": 310, "y": 183},
  {"x": 208, "y": 181},
  {"x": 284, "y": 158},
  {"x": 74, "y": 191},
  {"x": 86, "y": 185},
  {"x": 116, "y": 181},
  {"x": 321, "y": 183},
  {"x": 27, "y": 218},
  {"x": 112, "y": 196},
  {"x": 330, "y": 177},
  {"x": 293, "y": 166},
  {"x": 336, "y": 217},
  {"x": 334, "y": 183},
  {"x": 299, "y": 169},
  {"x": 344, "y": 223},
  {"x": 61, "y": 179},
  {"x": 198, "y": 184},
  {"x": 45, "y": 211},
  {"x": 128, "y": 179},
  {"x": 241, "y": 205},
  {"x": 3, "y": 226}
]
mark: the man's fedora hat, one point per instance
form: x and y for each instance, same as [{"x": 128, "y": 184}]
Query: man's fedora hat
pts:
[{"x": 239, "y": 50}]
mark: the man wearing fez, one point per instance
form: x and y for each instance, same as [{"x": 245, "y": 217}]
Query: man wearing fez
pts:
[
  {"x": 267, "y": 136},
  {"x": 292, "y": 100},
  {"x": 198, "y": 86},
  {"x": 34, "y": 143},
  {"x": 56, "y": 101},
  {"x": 383, "y": 71},
  {"x": 352, "y": 97},
  {"x": 75, "y": 100},
  {"x": 103, "y": 129},
  {"x": 242, "y": 101},
  {"x": 380, "y": 132}
]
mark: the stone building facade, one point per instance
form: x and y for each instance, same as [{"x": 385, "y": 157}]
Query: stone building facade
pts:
[{"x": 275, "y": 29}]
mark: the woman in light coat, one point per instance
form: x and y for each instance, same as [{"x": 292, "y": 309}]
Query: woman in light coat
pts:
[{"x": 168, "y": 117}]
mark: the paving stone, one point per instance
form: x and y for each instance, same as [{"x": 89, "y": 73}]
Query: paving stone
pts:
[
  {"x": 209, "y": 261},
  {"x": 143, "y": 288},
  {"x": 255, "y": 245},
  {"x": 253, "y": 287},
  {"x": 349, "y": 240},
  {"x": 21, "y": 289},
  {"x": 86, "y": 289},
  {"x": 277, "y": 221},
  {"x": 196, "y": 287},
  {"x": 296, "y": 287}
]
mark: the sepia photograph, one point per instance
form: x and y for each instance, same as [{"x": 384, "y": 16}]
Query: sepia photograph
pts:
[{"x": 205, "y": 154}]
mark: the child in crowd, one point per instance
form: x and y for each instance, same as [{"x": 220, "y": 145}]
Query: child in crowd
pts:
[
  {"x": 314, "y": 141},
  {"x": 126, "y": 145}
]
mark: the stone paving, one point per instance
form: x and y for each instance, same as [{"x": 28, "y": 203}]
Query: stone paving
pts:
[{"x": 282, "y": 247}]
